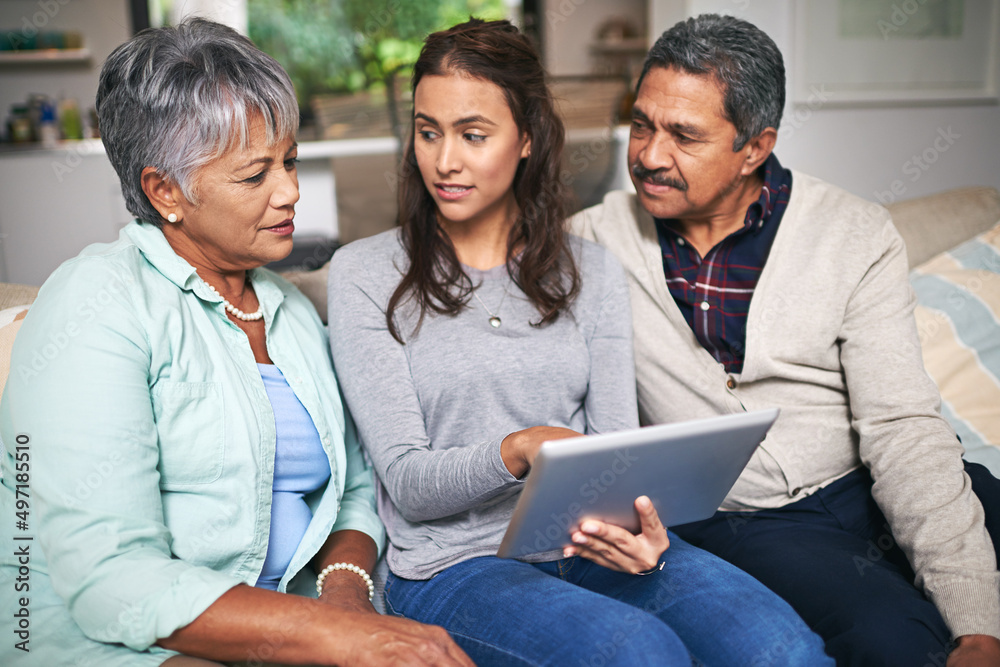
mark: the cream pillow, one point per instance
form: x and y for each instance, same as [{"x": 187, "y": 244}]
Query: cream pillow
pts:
[{"x": 958, "y": 319}]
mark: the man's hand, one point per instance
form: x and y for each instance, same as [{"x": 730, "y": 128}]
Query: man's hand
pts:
[
  {"x": 616, "y": 548},
  {"x": 975, "y": 650}
]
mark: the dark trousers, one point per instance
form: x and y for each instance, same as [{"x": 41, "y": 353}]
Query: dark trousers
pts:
[{"x": 833, "y": 557}]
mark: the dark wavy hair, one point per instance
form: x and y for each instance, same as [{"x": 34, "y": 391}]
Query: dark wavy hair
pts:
[{"x": 493, "y": 51}]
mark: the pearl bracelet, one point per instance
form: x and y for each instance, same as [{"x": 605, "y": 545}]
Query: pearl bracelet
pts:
[{"x": 350, "y": 567}]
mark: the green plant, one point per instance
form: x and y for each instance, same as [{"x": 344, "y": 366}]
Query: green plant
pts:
[{"x": 330, "y": 46}]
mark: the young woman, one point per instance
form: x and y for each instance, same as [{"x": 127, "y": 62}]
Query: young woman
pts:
[{"x": 474, "y": 333}]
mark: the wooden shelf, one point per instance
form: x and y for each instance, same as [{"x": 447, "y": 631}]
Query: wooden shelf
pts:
[{"x": 62, "y": 56}]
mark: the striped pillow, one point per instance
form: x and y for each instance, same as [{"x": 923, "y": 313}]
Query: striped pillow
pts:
[{"x": 958, "y": 318}]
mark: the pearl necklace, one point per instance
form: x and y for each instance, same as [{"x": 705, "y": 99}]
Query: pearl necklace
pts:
[{"x": 246, "y": 317}]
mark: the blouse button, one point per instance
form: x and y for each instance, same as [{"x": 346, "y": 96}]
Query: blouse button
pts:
[{"x": 705, "y": 305}]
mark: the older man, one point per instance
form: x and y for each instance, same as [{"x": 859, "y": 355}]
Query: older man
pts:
[{"x": 754, "y": 286}]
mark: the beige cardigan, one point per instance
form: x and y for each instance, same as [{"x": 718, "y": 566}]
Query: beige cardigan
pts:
[{"x": 831, "y": 340}]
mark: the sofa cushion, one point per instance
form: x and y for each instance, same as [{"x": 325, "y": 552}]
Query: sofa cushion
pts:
[
  {"x": 313, "y": 285},
  {"x": 934, "y": 224},
  {"x": 12, "y": 294},
  {"x": 958, "y": 319},
  {"x": 10, "y": 324},
  {"x": 14, "y": 300}
]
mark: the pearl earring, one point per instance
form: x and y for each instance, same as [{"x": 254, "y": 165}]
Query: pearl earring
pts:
[{"x": 172, "y": 217}]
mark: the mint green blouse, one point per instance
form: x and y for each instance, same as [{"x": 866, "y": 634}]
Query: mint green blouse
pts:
[{"x": 151, "y": 440}]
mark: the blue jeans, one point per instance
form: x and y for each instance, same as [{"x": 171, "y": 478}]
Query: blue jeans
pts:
[
  {"x": 834, "y": 558},
  {"x": 573, "y": 612}
]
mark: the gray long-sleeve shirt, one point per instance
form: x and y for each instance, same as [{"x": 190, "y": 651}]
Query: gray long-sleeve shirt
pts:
[{"x": 432, "y": 413}]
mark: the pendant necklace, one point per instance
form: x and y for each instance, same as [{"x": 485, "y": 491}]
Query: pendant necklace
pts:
[{"x": 495, "y": 321}]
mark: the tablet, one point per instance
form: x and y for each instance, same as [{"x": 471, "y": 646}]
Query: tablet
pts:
[{"x": 685, "y": 468}]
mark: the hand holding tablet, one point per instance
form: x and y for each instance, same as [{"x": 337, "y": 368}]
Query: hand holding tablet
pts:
[
  {"x": 618, "y": 549},
  {"x": 686, "y": 469}
]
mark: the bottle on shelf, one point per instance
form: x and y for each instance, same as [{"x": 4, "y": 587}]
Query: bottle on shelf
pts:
[
  {"x": 19, "y": 125},
  {"x": 69, "y": 118},
  {"x": 48, "y": 129},
  {"x": 35, "y": 103}
]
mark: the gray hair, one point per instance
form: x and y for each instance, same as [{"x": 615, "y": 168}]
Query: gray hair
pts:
[
  {"x": 177, "y": 98},
  {"x": 741, "y": 58}
]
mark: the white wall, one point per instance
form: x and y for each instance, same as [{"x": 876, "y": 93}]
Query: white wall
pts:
[
  {"x": 867, "y": 151},
  {"x": 54, "y": 203},
  {"x": 227, "y": 12}
]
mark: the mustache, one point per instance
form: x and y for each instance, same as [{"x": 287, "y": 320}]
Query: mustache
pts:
[{"x": 657, "y": 177}]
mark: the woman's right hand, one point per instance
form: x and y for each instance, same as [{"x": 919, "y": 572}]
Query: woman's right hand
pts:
[
  {"x": 518, "y": 450},
  {"x": 373, "y": 639}
]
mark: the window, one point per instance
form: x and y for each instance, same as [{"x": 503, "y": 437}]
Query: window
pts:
[{"x": 351, "y": 60}]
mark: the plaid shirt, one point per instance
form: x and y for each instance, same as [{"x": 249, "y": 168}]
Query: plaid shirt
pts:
[{"x": 714, "y": 293}]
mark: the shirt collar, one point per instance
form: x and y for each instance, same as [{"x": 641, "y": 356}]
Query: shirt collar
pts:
[
  {"x": 153, "y": 245},
  {"x": 775, "y": 177}
]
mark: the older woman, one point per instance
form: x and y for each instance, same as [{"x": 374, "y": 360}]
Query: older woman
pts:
[{"x": 180, "y": 453}]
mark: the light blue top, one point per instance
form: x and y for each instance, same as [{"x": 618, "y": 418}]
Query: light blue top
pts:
[
  {"x": 300, "y": 468},
  {"x": 152, "y": 440}
]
